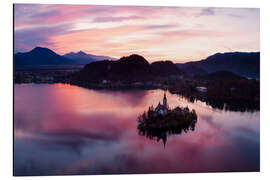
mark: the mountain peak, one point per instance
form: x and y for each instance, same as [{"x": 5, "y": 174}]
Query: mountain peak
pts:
[
  {"x": 40, "y": 56},
  {"x": 39, "y": 49},
  {"x": 81, "y": 53},
  {"x": 85, "y": 58}
]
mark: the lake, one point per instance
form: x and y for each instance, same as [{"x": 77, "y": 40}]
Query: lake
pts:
[{"x": 62, "y": 129}]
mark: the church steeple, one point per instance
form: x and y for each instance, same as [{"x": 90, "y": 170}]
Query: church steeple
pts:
[{"x": 165, "y": 100}]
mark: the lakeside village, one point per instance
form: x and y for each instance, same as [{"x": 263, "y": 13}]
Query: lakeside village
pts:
[
  {"x": 64, "y": 76},
  {"x": 162, "y": 121}
]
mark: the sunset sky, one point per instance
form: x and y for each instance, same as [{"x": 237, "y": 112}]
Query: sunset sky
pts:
[{"x": 158, "y": 33}]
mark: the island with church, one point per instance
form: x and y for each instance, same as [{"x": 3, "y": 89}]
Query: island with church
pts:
[{"x": 157, "y": 123}]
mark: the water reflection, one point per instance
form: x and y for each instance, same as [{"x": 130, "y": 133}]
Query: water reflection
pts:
[
  {"x": 63, "y": 129},
  {"x": 162, "y": 134},
  {"x": 229, "y": 105},
  {"x": 157, "y": 126}
]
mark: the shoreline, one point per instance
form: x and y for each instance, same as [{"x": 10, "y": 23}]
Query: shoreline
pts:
[{"x": 214, "y": 103}]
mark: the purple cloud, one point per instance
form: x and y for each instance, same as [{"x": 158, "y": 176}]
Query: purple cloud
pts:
[
  {"x": 116, "y": 19},
  {"x": 26, "y": 39},
  {"x": 167, "y": 26},
  {"x": 207, "y": 12}
]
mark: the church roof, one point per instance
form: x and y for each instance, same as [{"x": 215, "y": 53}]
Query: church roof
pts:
[{"x": 160, "y": 107}]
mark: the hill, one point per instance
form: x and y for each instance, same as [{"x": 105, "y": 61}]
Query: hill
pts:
[
  {"x": 39, "y": 57},
  {"x": 165, "y": 68},
  {"x": 246, "y": 64},
  {"x": 130, "y": 68}
]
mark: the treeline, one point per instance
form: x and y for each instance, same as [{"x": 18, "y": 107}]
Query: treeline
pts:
[
  {"x": 151, "y": 124},
  {"x": 236, "y": 95},
  {"x": 133, "y": 68}
]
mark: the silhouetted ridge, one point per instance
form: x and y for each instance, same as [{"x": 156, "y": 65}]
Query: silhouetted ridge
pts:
[
  {"x": 84, "y": 58},
  {"x": 242, "y": 63},
  {"x": 82, "y": 53},
  {"x": 128, "y": 68},
  {"x": 165, "y": 68},
  {"x": 39, "y": 56},
  {"x": 134, "y": 59},
  {"x": 38, "y": 50}
]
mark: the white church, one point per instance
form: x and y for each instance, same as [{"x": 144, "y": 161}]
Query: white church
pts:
[{"x": 162, "y": 108}]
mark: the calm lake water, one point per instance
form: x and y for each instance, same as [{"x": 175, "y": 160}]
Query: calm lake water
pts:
[{"x": 65, "y": 129}]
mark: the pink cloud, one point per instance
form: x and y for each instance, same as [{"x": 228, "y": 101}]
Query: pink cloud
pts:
[{"x": 173, "y": 33}]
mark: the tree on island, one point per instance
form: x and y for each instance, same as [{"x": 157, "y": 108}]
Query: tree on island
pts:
[{"x": 157, "y": 126}]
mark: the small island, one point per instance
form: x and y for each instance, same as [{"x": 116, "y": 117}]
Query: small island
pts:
[{"x": 162, "y": 121}]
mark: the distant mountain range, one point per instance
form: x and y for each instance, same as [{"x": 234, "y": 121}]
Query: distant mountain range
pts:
[
  {"x": 242, "y": 63},
  {"x": 84, "y": 58},
  {"x": 40, "y": 56}
]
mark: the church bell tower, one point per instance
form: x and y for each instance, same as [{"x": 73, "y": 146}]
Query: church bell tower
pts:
[{"x": 165, "y": 100}]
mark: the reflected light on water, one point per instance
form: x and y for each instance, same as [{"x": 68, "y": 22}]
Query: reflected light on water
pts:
[{"x": 65, "y": 129}]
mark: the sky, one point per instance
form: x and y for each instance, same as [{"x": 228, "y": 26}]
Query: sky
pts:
[{"x": 179, "y": 34}]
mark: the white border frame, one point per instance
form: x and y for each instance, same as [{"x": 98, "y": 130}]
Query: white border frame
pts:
[{"x": 6, "y": 94}]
